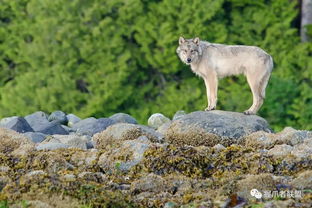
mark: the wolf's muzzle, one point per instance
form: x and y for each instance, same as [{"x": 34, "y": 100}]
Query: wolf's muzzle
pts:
[{"x": 188, "y": 60}]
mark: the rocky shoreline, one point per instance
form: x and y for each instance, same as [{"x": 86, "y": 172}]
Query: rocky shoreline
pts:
[{"x": 200, "y": 159}]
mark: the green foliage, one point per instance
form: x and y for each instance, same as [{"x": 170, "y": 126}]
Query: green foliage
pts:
[{"x": 95, "y": 58}]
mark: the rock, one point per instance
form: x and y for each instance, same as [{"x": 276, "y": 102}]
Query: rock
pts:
[
  {"x": 35, "y": 173},
  {"x": 123, "y": 118},
  {"x": 18, "y": 124},
  {"x": 266, "y": 140},
  {"x": 51, "y": 146},
  {"x": 280, "y": 150},
  {"x": 127, "y": 155},
  {"x": 303, "y": 150},
  {"x": 4, "y": 180},
  {"x": 261, "y": 182},
  {"x": 150, "y": 183},
  {"x": 90, "y": 145},
  {"x": 163, "y": 128},
  {"x": 218, "y": 147},
  {"x": 4, "y": 121},
  {"x": 97, "y": 177},
  {"x": 58, "y": 116},
  {"x": 37, "y": 120},
  {"x": 69, "y": 178},
  {"x": 84, "y": 160},
  {"x": 74, "y": 141},
  {"x": 261, "y": 140},
  {"x": 124, "y": 131},
  {"x": 51, "y": 128},
  {"x": 14, "y": 143},
  {"x": 303, "y": 180},
  {"x": 213, "y": 127},
  {"x": 292, "y": 136},
  {"x": 68, "y": 129},
  {"x": 91, "y": 126},
  {"x": 72, "y": 119},
  {"x": 289, "y": 203},
  {"x": 171, "y": 205},
  {"x": 35, "y": 137},
  {"x": 157, "y": 119},
  {"x": 178, "y": 114}
]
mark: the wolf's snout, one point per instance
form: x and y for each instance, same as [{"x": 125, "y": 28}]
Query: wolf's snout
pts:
[{"x": 188, "y": 60}]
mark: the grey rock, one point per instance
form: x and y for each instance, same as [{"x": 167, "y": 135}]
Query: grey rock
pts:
[
  {"x": 281, "y": 150},
  {"x": 178, "y": 114},
  {"x": 221, "y": 123},
  {"x": 123, "y": 118},
  {"x": 51, "y": 128},
  {"x": 93, "y": 176},
  {"x": 91, "y": 126},
  {"x": 72, "y": 119},
  {"x": 303, "y": 180},
  {"x": 90, "y": 144},
  {"x": 124, "y": 131},
  {"x": 18, "y": 124},
  {"x": 4, "y": 121},
  {"x": 135, "y": 148},
  {"x": 218, "y": 147},
  {"x": 68, "y": 129},
  {"x": 58, "y": 116},
  {"x": 35, "y": 173},
  {"x": 51, "y": 146},
  {"x": 37, "y": 120},
  {"x": 303, "y": 150},
  {"x": 69, "y": 177},
  {"x": 35, "y": 137},
  {"x": 163, "y": 128},
  {"x": 157, "y": 119},
  {"x": 74, "y": 141},
  {"x": 171, "y": 205}
]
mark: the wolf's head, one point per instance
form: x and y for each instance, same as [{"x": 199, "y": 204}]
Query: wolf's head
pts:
[{"x": 189, "y": 50}]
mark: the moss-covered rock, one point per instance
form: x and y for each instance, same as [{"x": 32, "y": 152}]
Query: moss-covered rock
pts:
[{"x": 115, "y": 134}]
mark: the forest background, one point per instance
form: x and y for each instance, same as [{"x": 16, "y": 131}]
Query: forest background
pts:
[{"x": 100, "y": 57}]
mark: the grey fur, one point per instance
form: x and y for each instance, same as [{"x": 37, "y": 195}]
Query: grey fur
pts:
[{"x": 212, "y": 61}]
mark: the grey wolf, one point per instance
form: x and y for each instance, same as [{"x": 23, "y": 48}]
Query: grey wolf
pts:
[{"x": 212, "y": 61}]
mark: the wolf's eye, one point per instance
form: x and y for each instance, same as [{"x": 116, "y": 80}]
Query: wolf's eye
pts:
[
  {"x": 192, "y": 51},
  {"x": 185, "y": 51}
]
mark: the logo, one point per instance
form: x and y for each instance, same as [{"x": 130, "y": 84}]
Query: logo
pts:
[{"x": 256, "y": 193}]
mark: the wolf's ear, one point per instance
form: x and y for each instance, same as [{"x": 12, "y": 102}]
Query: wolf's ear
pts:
[
  {"x": 181, "y": 40},
  {"x": 196, "y": 40}
]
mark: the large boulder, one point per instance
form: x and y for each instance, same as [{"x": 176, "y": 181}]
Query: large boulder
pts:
[
  {"x": 124, "y": 131},
  {"x": 51, "y": 146},
  {"x": 213, "y": 127},
  {"x": 35, "y": 137},
  {"x": 51, "y": 128},
  {"x": 58, "y": 116},
  {"x": 125, "y": 155},
  {"x": 14, "y": 143},
  {"x": 288, "y": 135},
  {"x": 91, "y": 126},
  {"x": 74, "y": 141},
  {"x": 18, "y": 124},
  {"x": 157, "y": 119},
  {"x": 72, "y": 119},
  {"x": 123, "y": 118},
  {"x": 37, "y": 120}
]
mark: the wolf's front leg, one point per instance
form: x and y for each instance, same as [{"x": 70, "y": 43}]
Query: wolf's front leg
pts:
[{"x": 211, "y": 87}]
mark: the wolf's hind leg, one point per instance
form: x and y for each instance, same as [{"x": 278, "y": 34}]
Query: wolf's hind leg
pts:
[{"x": 256, "y": 86}]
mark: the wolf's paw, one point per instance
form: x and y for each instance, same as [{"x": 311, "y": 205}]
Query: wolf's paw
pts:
[
  {"x": 210, "y": 108},
  {"x": 249, "y": 112}
]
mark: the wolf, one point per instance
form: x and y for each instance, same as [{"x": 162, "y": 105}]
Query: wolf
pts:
[{"x": 213, "y": 61}]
